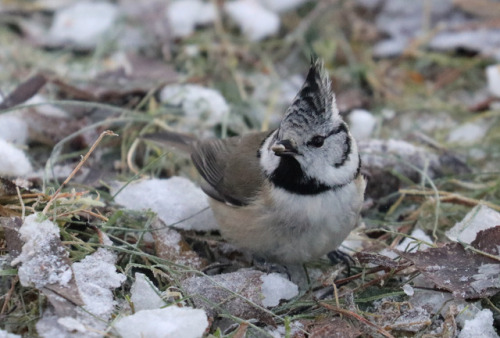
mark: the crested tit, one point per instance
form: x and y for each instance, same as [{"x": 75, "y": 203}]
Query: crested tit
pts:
[{"x": 290, "y": 195}]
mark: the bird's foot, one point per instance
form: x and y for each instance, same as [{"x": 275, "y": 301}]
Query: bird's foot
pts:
[
  {"x": 337, "y": 256},
  {"x": 262, "y": 264}
]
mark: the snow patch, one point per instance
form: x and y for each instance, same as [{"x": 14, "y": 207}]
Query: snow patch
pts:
[
  {"x": 361, "y": 124},
  {"x": 83, "y": 23},
  {"x": 255, "y": 21},
  {"x": 5, "y": 334},
  {"x": 480, "y": 326},
  {"x": 13, "y": 129},
  {"x": 493, "y": 76},
  {"x": 275, "y": 287},
  {"x": 280, "y": 6},
  {"x": 177, "y": 201},
  {"x": 183, "y": 16},
  {"x": 408, "y": 289},
  {"x": 42, "y": 258},
  {"x": 168, "y": 322},
  {"x": 468, "y": 133},
  {"x": 14, "y": 162},
  {"x": 144, "y": 294},
  {"x": 197, "y": 103},
  {"x": 96, "y": 276}
]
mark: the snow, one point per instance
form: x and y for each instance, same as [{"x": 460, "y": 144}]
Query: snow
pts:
[
  {"x": 5, "y": 334},
  {"x": 183, "y": 16},
  {"x": 408, "y": 289},
  {"x": 276, "y": 287},
  {"x": 96, "y": 277},
  {"x": 14, "y": 162},
  {"x": 479, "y": 218},
  {"x": 480, "y": 326},
  {"x": 171, "y": 321},
  {"x": 280, "y": 6},
  {"x": 197, "y": 102},
  {"x": 44, "y": 108},
  {"x": 43, "y": 258},
  {"x": 409, "y": 244},
  {"x": 493, "y": 77},
  {"x": 255, "y": 21},
  {"x": 468, "y": 133},
  {"x": 361, "y": 124},
  {"x": 83, "y": 23},
  {"x": 296, "y": 328},
  {"x": 13, "y": 129},
  {"x": 177, "y": 201},
  {"x": 487, "y": 277},
  {"x": 144, "y": 294},
  {"x": 71, "y": 324}
]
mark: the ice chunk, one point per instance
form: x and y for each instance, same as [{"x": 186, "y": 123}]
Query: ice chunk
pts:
[
  {"x": 493, "y": 76},
  {"x": 361, "y": 124},
  {"x": 96, "y": 276},
  {"x": 14, "y": 162},
  {"x": 479, "y": 218},
  {"x": 171, "y": 321},
  {"x": 183, "y": 16},
  {"x": 480, "y": 326},
  {"x": 44, "y": 260},
  {"x": 197, "y": 102},
  {"x": 145, "y": 295},
  {"x": 177, "y": 201},
  {"x": 13, "y": 129},
  {"x": 255, "y": 21},
  {"x": 276, "y": 287},
  {"x": 83, "y": 23}
]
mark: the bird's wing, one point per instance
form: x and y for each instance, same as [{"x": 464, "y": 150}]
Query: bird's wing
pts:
[{"x": 230, "y": 167}]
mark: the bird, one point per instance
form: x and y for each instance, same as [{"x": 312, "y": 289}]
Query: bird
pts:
[{"x": 290, "y": 195}]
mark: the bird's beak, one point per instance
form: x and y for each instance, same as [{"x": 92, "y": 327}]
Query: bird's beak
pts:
[{"x": 285, "y": 148}]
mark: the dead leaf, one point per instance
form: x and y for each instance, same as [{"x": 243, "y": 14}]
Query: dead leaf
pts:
[
  {"x": 134, "y": 77},
  {"x": 170, "y": 246},
  {"x": 216, "y": 294},
  {"x": 465, "y": 274},
  {"x": 481, "y": 8},
  {"x": 11, "y": 227},
  {"x": 24, "y": 91},
  {"x": 7, "y": 187},
  {"x": 488, "y": 240},
  {"x": 377, "y": 259}
]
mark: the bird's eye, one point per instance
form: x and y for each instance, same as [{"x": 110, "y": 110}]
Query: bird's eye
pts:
[{"x": 317, "y": 141}]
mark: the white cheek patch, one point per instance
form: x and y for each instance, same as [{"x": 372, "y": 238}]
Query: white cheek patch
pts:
[{"x": 268, "y": 160}]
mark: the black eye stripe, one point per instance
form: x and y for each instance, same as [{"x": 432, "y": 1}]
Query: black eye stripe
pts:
[{"x": 342, "y": 128}]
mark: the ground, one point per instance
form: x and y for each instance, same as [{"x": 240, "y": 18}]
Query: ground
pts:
[{"x": 105, "y": 234}]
